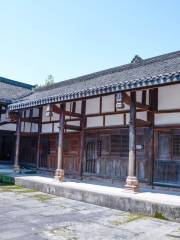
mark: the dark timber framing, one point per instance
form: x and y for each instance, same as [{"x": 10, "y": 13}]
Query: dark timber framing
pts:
[{"x": 18, "y": 135}]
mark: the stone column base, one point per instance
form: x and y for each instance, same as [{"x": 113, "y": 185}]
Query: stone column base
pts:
[
  {"x": 132, "y": 184},
  {"x": 59, "y": 175},
  {"x": 17, "y": 169}
]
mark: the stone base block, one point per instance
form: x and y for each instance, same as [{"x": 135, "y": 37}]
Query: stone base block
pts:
[
  {"x": 132, "y": 184},
  {"x": 17, "y": 169},
  {"x": 59, "y": 175}
]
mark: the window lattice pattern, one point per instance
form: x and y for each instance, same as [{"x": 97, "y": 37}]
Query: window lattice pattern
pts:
[
  {"x": 120, "y": 145},
  {"x": 176, "y": 146}
]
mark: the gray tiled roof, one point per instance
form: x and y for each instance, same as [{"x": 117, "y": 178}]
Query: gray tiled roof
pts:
[
  {"x": 11, "y": 90},
  {"x": 152, "y": 71}
]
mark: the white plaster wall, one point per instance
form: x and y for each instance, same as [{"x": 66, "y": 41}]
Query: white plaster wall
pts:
[
  {"x": 55, "y": 117},
  {"x": 169, "y": 97},
  {"x": 92, "y": 105},
  {"x": 56, "y": 127},
  {"x": 95, "y": 121},
  {"x": 47, "y": 128},
  {"x": 68, "y": 106},
  {"x": 78, "y": 106},
  {"x": 44, "y": 118},
  {"x": 28, "y": 113},
  {"x": 127, "y": 118},
  {"x": 108, "y": 103},
  {"x": 35, "y": 112},
  {"x": 141, "y": 115},
  {"x": 34, "y": 127},
  {"x": 167, "y": 118},
  {"x": 139, "y": 96},
  {"x": 117, "y": 119},
  {"x": 22, "y": 126},
  {"x": 27, "y": 127},
  {"x": 8, "y": 127}
]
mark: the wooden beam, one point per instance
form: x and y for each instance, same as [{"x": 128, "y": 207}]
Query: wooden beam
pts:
[
  {"x": 127, "y": 100},
  {"x": 142, "y": 123},
  {"x": 57, "y": 110},
  {"x": 72, "y": 127}
]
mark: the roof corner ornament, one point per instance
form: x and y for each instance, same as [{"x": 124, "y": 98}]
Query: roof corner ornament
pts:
[{"x": 136, "y": 59}]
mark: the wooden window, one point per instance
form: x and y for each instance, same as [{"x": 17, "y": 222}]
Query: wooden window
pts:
[
  {"x": 164, "y": 146},
  {"x": 120, "y": 145},
  {"x": 176, "y": 146},
  {"x": 91, "y": 157}
]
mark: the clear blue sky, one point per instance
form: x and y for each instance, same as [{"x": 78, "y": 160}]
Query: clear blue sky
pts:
[{"x": 68, "y": 38}]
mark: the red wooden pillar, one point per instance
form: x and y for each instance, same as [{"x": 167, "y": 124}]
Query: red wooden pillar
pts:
[
  {"x": 132, "y": 181},
  {"x": 59, "y": 174},
  {"x": 18, "y": 135}
]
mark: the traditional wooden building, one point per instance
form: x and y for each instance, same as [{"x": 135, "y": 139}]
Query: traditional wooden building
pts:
[
  {"x": 120, "y": 123},
  {"x": 10, "y": 91}
]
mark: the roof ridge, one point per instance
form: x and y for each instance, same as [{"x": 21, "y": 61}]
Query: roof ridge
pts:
[
  {"x": 123, "y": 67},
  {"x": 16, "y": 83}
]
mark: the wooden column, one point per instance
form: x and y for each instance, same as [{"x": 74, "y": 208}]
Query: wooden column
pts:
[
  {"x": 83, "y": 122},
  {"x": 132, "y": 181},
  {"x": 59, "y": 174},
  {"x": 17, "y": 148},
  {"x": 39, "y": 137}
]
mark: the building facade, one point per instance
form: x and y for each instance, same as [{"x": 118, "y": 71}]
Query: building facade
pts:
[
  {"x": 122, "y": 123},
  {"x": 10, "y": 91}
]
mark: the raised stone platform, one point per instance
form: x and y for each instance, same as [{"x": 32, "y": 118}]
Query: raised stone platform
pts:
[{"x": 162, "y": 204}]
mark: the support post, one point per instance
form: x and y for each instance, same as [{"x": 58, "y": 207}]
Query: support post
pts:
[
  {"x": 18, "y": 135},
  {"x": 82, "y": 138},
  {"x": 39, "y": 138},
  {"x": 59, "y": 174},
  {"x": 132, "y": 182}
]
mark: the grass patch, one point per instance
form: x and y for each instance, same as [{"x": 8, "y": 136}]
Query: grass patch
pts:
[
  {"x": 42, "y": 197},
  {"x": 160, "y": 216},
  {"x": 9, "y": 188},
  {"x": 130, "y": 218}
]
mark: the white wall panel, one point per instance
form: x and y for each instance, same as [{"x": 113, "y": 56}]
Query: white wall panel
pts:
[
  {"x": 34, "y": 127},
  {"x": 27, "y": 127},
  {"x": 95, "y": 121},
  {"x": 78, "y": 106},
  {"x": 56, "y": 127},
  {"x": 47, "y": 128},
  {"x": 8, "y": 127},
  {"x": 141, "y": 115},
  {"x": 168, "y": 97},
  {"x": 92, "y": 105},
  {"x": 108, "y": 103},
  {"x": 44, "y": 118},
  {"x": 28, "y": 113},
  {"x": 35, "y": 112},
  {"x": 167, "y": 118},
  {"x": 117, "y": 119},
  {"x": 139, "y": 96}
]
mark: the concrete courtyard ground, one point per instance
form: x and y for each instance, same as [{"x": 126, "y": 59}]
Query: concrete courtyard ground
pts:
[{"x": 31, "y": 215}]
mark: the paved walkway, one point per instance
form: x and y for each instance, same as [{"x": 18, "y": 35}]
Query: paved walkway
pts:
[
  {"x": 32, "y": 215},
  {"x": 147, "y": 201}
]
